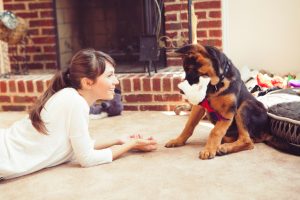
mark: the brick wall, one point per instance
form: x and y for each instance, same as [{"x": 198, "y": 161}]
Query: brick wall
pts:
[
  {"x": 19, "y": 92},
  {"x": 159, "y": 92},
  {"x": 209, "y": 27},
  {"x": 139, "y": 91},
  {"x": 41, "y": 47}
]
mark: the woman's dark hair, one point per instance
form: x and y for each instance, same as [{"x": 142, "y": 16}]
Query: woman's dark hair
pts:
[{"x": 87, "y": 63}]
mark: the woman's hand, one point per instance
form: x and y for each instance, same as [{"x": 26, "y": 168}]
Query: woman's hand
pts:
[
  {"x": 135, "y": 143},
  {"x": 126, "y": 138},
  {"x": 148, "y": 144},
  {"x": 139, "y": 143}
]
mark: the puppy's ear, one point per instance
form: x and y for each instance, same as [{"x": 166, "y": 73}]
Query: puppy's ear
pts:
[{"x": 191, "y": 49}]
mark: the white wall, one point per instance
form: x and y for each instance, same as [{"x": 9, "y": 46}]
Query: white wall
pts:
[{"x": 263, "y": 34}]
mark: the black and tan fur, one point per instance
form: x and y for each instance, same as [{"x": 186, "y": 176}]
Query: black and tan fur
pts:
[{"x": 246, "y": 118}]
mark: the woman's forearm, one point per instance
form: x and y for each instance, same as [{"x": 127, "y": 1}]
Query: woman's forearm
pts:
[
  {"x": 118, "y": 146},
  {"x": 101, "y": 145},
  {"x": 117, "y": 151}
]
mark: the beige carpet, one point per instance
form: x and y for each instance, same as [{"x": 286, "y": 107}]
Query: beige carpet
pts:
[{"x": 262, "y": 173}]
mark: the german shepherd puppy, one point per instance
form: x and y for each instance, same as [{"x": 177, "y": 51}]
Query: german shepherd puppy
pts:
[{"x": 239, "y": 119}]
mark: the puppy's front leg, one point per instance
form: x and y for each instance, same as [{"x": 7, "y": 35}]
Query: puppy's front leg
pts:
[
  {"x": 195, "y": 116},
  {"x": 214, "y": 139}
]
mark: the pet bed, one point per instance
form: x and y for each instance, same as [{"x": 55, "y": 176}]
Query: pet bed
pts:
[
  {"x": 285, "y": 121},
  {"x": 284, "y": 113}
]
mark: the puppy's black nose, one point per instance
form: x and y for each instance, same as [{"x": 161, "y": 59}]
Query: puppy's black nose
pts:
[{"x": 181, "y": 92}]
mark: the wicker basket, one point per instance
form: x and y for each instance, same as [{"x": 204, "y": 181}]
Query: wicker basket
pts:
[{"x": 14, "y": 36}]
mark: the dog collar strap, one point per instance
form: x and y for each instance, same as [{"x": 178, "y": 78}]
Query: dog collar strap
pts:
[
  {"x": 215, "y": 88},
  {"x": 225, "y": 70},
  {"x": 215, "y": 115}
]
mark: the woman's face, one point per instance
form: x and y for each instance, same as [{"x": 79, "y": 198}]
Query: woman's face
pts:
[{"x": 105, "y": 84}]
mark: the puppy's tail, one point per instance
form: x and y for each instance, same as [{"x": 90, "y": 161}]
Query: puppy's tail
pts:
[{"x": 281, "y": 145}]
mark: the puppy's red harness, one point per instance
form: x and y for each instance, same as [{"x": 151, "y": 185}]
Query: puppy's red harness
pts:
[{"x": 214, "y": 114}]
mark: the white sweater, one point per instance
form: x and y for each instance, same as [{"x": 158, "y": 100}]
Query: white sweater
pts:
[{"x": 24, "y": 150}]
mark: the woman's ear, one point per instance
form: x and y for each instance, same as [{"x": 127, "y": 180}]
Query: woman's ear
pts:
[{"x": 86, "y": 83}]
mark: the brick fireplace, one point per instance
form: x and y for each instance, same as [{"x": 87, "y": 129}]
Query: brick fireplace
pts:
[
  {"x": 113, "y": 26},
  {"x": 140, "y": 92}
]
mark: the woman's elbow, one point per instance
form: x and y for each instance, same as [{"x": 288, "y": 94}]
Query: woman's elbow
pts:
[
  {"x": 95, "y": 158},
  {"x": 90, "y": 163},
  {"x": 85, "y": 162}
]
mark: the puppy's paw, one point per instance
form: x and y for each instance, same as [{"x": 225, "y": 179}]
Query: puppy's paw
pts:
[
  {"x": 207, "y": 154},
  {"x": 174, "y": 143},
  {"x": 222, "y": 149}
]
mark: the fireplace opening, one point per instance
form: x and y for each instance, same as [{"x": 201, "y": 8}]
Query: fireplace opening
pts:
[{"x": 113, "y": 26}]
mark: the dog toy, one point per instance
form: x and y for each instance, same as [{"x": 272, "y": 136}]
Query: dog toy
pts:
[
  {"x": 107, "y": 108},
  {"x": 195, "y": 93},
  {"x": 294, "y": 83},
  {"x": 266, "y": 81}
]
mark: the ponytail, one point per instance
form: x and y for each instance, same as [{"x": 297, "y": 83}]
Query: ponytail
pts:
[{"x": 60, "y": 80}]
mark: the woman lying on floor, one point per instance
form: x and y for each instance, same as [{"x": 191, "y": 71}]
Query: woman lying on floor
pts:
[{"x": 56, "y": 130}]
